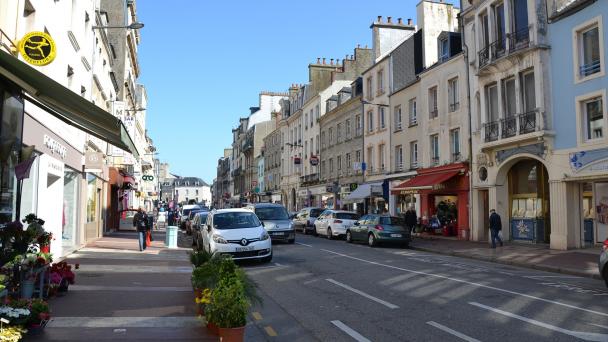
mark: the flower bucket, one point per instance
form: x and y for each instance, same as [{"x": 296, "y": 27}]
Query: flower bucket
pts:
[
  {"x": 27, "y": 289},
  {"x": 232, "y": 334},
  {"x": 213, "y": 328},
  {"x": 45, "y": 248}
]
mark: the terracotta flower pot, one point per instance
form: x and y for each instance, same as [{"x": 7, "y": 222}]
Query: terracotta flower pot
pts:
[
  {"x": 232, "y": 334},
  {"x": 213, "y": 328}
]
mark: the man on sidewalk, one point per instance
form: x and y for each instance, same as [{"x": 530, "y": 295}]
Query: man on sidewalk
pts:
[
  {"x": 411, "y": 218},
  {"x": 495, "y": 227},
  {"x": 140, "y": 222}
]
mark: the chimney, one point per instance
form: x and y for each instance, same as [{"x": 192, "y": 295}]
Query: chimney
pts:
[
  {"x": 332, "y": 61},
  {"x": 399, "y": 21},
  {"x": 358, "y": 46},
  {"x": 318, "y": 60},
  {"x": 379, "y": 18},
  {"x": 323, "y": 60},
  {"x": 351, "y": 57},
  {"x": 389, "y": 20},
  {"x": 409, "y": 21}
]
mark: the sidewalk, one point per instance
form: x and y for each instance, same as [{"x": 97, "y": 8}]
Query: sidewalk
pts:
[
  {"x": 579, "y": 262},
  {"x": 124, "y": 294}
]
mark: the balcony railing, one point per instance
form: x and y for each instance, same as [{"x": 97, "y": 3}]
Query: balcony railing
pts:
[
  {"x": 514, "y": 41},
  {"x": 414, "y": 165},
  {"x": 590, "y": 69},
  {"x": 519, "y": 39},
  {"x": 456, "y": 157},
  {"x": 358, "y": 131},
  {"x": 434, "y": 161},
  {"x": 512, "y": 126},
  {"x": 309, "y": 179},
  {"x": 454, "y": 106},
  {"x": 399, "y": 166},
  {"x": 413, "y": 121},
  {"x": 433, "y": 113}
]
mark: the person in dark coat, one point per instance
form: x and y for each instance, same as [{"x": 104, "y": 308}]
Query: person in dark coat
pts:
[
  {"x": 411, "y": 218},
  {"x": 140, "y": 222},
  {"x": 495, "y": 227}
]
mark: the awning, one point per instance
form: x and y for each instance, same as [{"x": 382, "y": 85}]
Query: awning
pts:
[
  {"x": 425, "y": 181},
  {"x": 65, "y": 104},
  {"x": 361, "y": 193}
]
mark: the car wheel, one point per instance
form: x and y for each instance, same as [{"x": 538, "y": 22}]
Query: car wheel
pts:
[
  {"x": 371, "y": 240},
  {"x": 606, "y": 275},
  {"x": 405, "y": 244},
  {"x": 291, "y": 241},
  {"x": 194, "y": 241},
  {"x": 329, "y": 235},
  {"x": 267, "y": 259},
  {"x": 349, "y": 238},
  {"x": 304, "y": 230}
]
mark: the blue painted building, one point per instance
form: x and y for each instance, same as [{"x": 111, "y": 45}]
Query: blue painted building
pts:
[{"x": 578, "y": 42}]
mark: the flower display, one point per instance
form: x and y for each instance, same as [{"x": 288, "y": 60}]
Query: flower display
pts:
[{"x": 9, "y": 312}]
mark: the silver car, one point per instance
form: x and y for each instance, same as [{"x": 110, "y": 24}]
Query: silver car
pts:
[
  {"x": 305, "y": 219},
  {"x": 603, "y": 264},
  {"x": 276, "y": 221}
]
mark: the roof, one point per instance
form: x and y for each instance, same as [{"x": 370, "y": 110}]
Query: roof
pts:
[{"x": 191, "y": 180}]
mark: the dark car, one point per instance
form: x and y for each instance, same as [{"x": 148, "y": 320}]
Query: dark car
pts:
[
  {"x": 603, "y": 263},
  {"x": 376, "y": 229},
  {"x": 197, "y": 225},
  {"x": 305, "y": 219},
  {"x": 188, "y": 221}
]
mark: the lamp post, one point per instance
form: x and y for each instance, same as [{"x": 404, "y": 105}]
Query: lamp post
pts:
[{"x": 136, "y": 25}]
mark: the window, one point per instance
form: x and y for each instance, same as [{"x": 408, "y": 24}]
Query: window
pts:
[
  {"x": 339, "y": 133},
  {"x": 311, "y": 118},
  {"x": 348, "y": 162},
  {"x": 380, "y": 82},
  {"x": 381, "y": 118},
  {"x": 528, "y": 92},
  {"x": 306, "y": 149},
  {"x": 413, "y": 114},
  {"x": 347, "y": 124},
  {"x": 398, "y": 158},
  {"x": 369, "y": 88},
  {"x": 358, "y": 156},
  {"x": 323, "y": 169},
  {"x": 499, "y": 20},
  {"x": 331, "y": 165},
  {"x": 381, "y": 157},
  {"x": 370, "y": 121},
  {"x": 433, "y": 113},
  {"x": 444, "y": 50},
  {"x": 339, "y": 163},
  {"x": 435, "y": 149},
  {"x": 485, "y": 30},
  {"x": 397, "y": 117},
  {"x": 520, "y": 19},
  {"x": 331, "y": 136},
  {"x": 414, "y": 154},
  {"x": 323, "y": 140},
  {"x": 370, "y": 159},
  {"x": 589, "y": 58},
  {"x": 306, "y": 121},
  {"x": 317, "y": 149},
  {"x": 455, "y": 144},
  {"x": 508, "y": 89},
  {"x": 492, "y": 102},
  {"x": 594, "y": 118},
  {"x": 312, "y": 146},
  {"x": 453, "y": 100},
  {"x": 359, "y": 125},
  {"x": 317, "y": 113}
]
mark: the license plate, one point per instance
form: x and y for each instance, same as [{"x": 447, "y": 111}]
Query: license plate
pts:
[
  {"x": 396, "y": 235},
  {"x": 244, "y": 249},
  {"x": 277, "y": 234}
]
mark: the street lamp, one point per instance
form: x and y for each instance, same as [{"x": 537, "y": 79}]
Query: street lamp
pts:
[
  {"x": 136, "y": 25},
  {"x": 374, "y": 104},
  {"x": 135, "y": 110}
]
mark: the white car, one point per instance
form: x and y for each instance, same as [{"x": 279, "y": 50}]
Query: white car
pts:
[
  {"x": 236, "y": 232},
  {"x": 334, "y": 223}
]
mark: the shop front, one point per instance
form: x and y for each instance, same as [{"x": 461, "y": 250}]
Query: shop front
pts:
[
  {"x": 316, "y": 195},
  {"x": 53, "y": 189},
  {"x": 443, "y": 195},
  {"x": 367, "y": 198}
]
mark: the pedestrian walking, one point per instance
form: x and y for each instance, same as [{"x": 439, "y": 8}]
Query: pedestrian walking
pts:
[
  {"x": 411, "y": 218},
  {"x": 171, "y": 217},
  {"x": 140, "y": 222},
  {"x": 495, "y": 228}
]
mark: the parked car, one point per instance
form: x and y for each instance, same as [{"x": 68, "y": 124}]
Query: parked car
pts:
[
  {"x": 376, "y": 229},
  {"x": 236, "y": 232},
  {"x": 198, "y": 224},
  {"x": 276, "y": 220},
  {"x": 305, "y": 219},
  {"x": 190, "y": 218},
  {"x": 335, "y": 223},
  {"x": 603, "y": 264},
  {"x": 183, "y": 216}
]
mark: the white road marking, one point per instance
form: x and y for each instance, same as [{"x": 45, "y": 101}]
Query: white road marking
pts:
[
  {"x": 303, "y": 244},
  {"x": 124, "y": 322},
  {"x": 553, "y": 276},
  {"x": 452, "y": 331},
  {"x": 599, "y": 325},
  {"x": 578, "y": 334},
  {"x": 131, "y": 288},
  {"x": 471, "y": 283},
  {"x": 375, "y": 299},
  {"x": 352, "y": 333}
]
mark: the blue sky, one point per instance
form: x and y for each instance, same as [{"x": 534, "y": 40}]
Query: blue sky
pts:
[{"x": 205, "y": 62}]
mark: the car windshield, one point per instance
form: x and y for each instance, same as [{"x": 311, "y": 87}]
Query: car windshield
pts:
[
  {"x": 347, "y": 216},
  {"x": 272, "y": 213},
  {"x": 315, "y": 212},
  {"x": 392, "y": 220},
  {"x": 235, "y": 220},
  {"x": 203, "y": 218},
  {"x": 186, "y": 212}
]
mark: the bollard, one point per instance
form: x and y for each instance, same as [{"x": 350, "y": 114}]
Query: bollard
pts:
[{"x": 171, "y": 237}]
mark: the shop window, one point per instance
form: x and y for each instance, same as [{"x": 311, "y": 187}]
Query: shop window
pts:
[
  {"x": 70, "y": 206},
  {"x": 91, "y": 198},
  {"x": 10, "y": 135},
  {"x": 529, "y": 188}
]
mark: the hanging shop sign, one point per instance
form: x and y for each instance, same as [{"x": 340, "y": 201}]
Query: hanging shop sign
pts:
[
  {"x": 314, "y": 160},
  {"x": 147, "y": 178},
  {"x": 353, "y": 186},
  {"x": 37, "y": 48},
  {"x": 93, "y": 161},
  {"x": 297, "y": 160}
]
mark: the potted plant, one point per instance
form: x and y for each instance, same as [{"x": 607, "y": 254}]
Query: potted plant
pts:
[
  {"x": 199, "y": 257},
  {"x": 44, "y": 240},
  {"x": 39, "y": 315},
  {"x": 228, "y": 308},
  {"x": 11, "y": 333}
]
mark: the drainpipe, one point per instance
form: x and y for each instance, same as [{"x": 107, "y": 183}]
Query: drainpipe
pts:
[{"x": 470, "y": 145}]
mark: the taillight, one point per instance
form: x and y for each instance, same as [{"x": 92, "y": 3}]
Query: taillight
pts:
[
  {"x": 379, "y": 227},
  {"x": 605, "y": 246},
  {"x": 337, "y": 221}
]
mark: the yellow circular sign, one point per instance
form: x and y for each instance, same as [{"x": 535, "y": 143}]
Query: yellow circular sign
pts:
[{"x": 37, "y": 48}]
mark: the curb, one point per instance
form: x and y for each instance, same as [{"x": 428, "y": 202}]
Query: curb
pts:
[{"x": 512, "y": 263}]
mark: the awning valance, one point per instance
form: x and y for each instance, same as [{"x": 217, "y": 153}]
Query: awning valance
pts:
[
  {"x": 362, "y": 192},
  {"x": 425, "y": 181},
  {"x": 65, "y": 104}
]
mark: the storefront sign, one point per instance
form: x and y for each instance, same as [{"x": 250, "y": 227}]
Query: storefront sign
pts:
[
  {"x": 297, "y": 160},
  {"x": 55, "y": 167},
  {"x": 93, "y": 161},
  {"x": 535, "y": 149},
  {"x": 55, "y": 147},
  {"x": 593, "y": 160},
  {"x": 353, "y": 186},
  {"x": 37, "y": 48},
  {"x": 376, "y": 190},
  {"x": 302, "y": 193},
  {"x": 314, "y": 160},
  {"x": 408, "y": 192},
  {"x": 147, "y": 177}
]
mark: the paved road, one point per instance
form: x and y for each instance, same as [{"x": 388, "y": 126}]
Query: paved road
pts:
[{"x": 333, "y": 291}]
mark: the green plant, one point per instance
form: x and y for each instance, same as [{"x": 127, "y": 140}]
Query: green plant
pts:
[
  {"x": 250, "y": 287},
  {"x": 228, "y": 306},
  {"x": 39, "y": 309},
  {"x": 206, "y": 276},
  {"x": 200, "y": 257}
]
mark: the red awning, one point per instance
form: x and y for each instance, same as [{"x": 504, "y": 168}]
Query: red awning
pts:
[{"x": 422, "y": 182}]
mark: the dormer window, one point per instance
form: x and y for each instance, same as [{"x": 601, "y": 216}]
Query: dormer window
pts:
[{"x": 444, "y": 49}]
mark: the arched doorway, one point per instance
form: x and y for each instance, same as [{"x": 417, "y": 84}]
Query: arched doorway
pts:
[
  {"x": 529, "y": 206},
  {"x": 292, "y": 205}
]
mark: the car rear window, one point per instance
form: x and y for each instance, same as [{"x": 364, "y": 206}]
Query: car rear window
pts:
[
  {"x": 347, "y": 216},
  {"x": 392, "y": 220},
  {"x": 315, "y": 212},
  {"x": 272, "y": 213},
  {"x": 235, "y": 220}
]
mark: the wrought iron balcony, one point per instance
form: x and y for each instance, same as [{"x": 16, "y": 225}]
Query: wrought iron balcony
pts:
[
  {"x": 433, "y": 113},
  {"x": 512, "y": 126},
  {"x": 507, "y": 45},
  {"x": 435, "y": 161},
  {"x": 590, "y": 69},
  {"x": 454, "y": 106},
  {"x": 519, "y": 40},
  {"x": 527, "y": 122},
  {"x": 508, "y": 127},
  {"x": 491, "y": 131},
  {"x": 456, "y": 157}
]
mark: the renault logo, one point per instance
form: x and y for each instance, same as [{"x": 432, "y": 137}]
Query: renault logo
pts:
[{"x": 244, "y": 242}]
